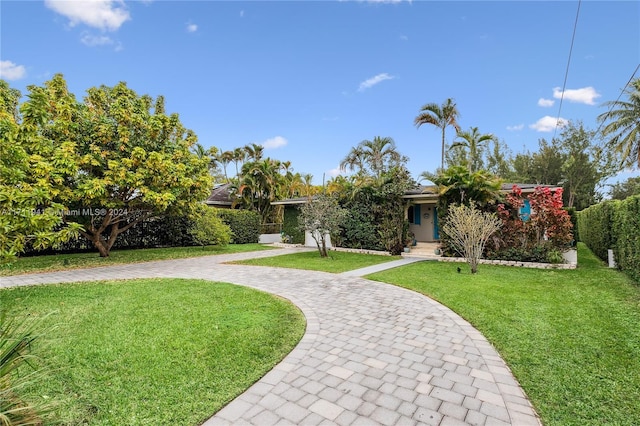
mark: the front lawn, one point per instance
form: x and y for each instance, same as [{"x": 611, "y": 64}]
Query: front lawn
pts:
[
  {"x": 152, "y": 351},
  {"x": 60, "y": 262},
  {"x": 337, "y": 262},
  {"x": 572, "y": 338}
]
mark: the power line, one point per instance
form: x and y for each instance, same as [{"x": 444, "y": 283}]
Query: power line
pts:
[{"x": 566, "y": 73}]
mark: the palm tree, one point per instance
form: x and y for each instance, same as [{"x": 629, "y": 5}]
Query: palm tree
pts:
[
  {"x": 238, "y": 156},
  {"x": 254, "y": 151},
  {"x": 441, "y": 117},
  {"x": 475, "y": 142},
  {"x": 354, "y": 160},
  {"x": 625, "y": 125},
  {"x": 379, "y": 155}
]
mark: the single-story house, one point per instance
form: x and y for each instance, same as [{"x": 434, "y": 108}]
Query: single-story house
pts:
[{"x": 422, "y": 214}]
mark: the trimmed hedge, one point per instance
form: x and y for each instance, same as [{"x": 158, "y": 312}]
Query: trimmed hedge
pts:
[
  {"x": 244, "y": 224},
  {"x": 614, "y": 225},
  {"x": 291, "y": 226},
  {"x": 595, "y": 227}
]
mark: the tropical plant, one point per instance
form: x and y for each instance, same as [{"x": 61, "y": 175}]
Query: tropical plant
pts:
[
  {"x": 469, "y": 230},
  {"x": 374, "y": 157},
  {"x": 473, "y": 143},
  {"x": 623, "y": 127},
  {"x": 441, "y": 116},
  {"x": 457, "y": 185},
  {"x": 16, "y": 343}
]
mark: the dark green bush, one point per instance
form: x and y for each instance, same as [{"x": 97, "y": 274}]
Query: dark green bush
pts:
[
  {"x": 244, "y": 224},
  {"x": 290, "y": 225},
  {"x": 614, "y": 225},
  {"x": 626, "y": 228},
  {"x": 539, "y": 254},
  {"x": 595, "y": 227}
]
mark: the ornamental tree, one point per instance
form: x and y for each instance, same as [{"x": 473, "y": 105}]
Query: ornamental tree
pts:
[
  {"x": 125, "y": 159},
  {"x": 321, "y": 216},
  {"x": 469, "y": 230},
  {"x": 28, "y": 183}
]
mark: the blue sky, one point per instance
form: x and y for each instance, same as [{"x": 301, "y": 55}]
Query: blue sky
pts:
[{"x": 311, "y": 79}]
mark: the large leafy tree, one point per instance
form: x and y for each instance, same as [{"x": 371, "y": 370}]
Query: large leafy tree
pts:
[
  {"x": 625, "y": 189},
  {"x": 623, "y": 127},
  {"x": 571, "y": 161},
  {"x": 32, "y": 170},
  {"x": 126, "y": 159},
  {"x": 441, "y": 116}
]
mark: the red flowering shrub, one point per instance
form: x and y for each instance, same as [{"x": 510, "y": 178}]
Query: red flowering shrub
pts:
[{"x": 547, "y": 228}]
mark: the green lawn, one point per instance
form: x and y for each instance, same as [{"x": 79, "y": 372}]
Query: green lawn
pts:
[
  {"x": 61, "y": 262},
  {"x": 153, "y": 351},
  {"x": 337, "y": 262},
  {"x": 572, "y": 338}
]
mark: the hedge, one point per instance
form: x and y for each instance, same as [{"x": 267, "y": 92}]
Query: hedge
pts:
[
  {"x": 291, "y": 226},
  {"x": 244, "y": 224},
  {"x": 614, "y": 225}
]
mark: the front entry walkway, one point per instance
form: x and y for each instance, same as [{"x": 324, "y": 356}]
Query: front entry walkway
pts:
[{"x": 372, "y": 353}]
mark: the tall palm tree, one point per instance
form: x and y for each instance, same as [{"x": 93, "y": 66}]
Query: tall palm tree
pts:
[
  {"x": 254, "y": 151},
  {"x": 379, "y": 155},
  {"x": 475, "y": 142},
  {"x": 441, "y": 117},
  {"x": 625, "y": 126}
]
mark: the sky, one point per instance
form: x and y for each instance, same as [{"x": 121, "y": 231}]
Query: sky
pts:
[{"x": 309, "y": 80}]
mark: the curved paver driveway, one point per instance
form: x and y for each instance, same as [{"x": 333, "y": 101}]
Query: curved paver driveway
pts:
[{"x": 372, "y": 353}]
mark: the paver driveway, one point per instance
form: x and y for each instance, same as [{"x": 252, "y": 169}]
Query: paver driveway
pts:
[{"x": 372, "y": 353}]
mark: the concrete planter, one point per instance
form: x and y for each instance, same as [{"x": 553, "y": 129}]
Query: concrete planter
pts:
[{"x": 570, "y": 256}]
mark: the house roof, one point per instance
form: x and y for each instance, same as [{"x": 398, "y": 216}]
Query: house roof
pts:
[
  {"x": 220, "y": 195},
  {"x": 430, "y": 192}
]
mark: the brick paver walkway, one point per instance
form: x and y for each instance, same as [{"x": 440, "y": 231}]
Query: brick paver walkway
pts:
[{"x": 372, "y": 353}]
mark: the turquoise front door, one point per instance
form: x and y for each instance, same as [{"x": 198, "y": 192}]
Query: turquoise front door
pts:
[{"x": 436, "y": 231}]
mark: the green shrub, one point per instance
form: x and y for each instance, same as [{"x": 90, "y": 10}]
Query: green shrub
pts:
[
  {"x": 626, "y": 229},
  {"x": 208, "y": 229},
  {"x": 596, "y": 230},
  {"x": 538, "y": 254},
  {"x": 244, "y": 224},
  {"x": 290, "y": 225}
]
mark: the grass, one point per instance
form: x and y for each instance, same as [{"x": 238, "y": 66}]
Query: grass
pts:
[
  {"x": 337, "y": 262},
  {"x": 59, "y": 262},
  {"x": 572, "y": 338},
  {"x": 153, "y": 351}
]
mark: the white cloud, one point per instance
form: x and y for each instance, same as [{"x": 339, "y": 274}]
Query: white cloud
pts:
[
  {"x": 101, "y": 14},
  {"x": 334, "y": 172},
  {"x": 404, "y": 38},
  {"x": 91, "y": 40},
  {"x": 274, "y": 143},
  {"x": 11, "y": 71},
  {"x": 192, "y": 28},
  {"x": 548, "y": 124},
  {"x": 515, "y": 128},
  {"x": 374, "y": 80},
  {"x": 586, "y": 95},
  {"x": 546, "y": 102}
]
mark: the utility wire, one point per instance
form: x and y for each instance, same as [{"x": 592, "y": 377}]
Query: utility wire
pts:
[{"x": 566, "y": 73}]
